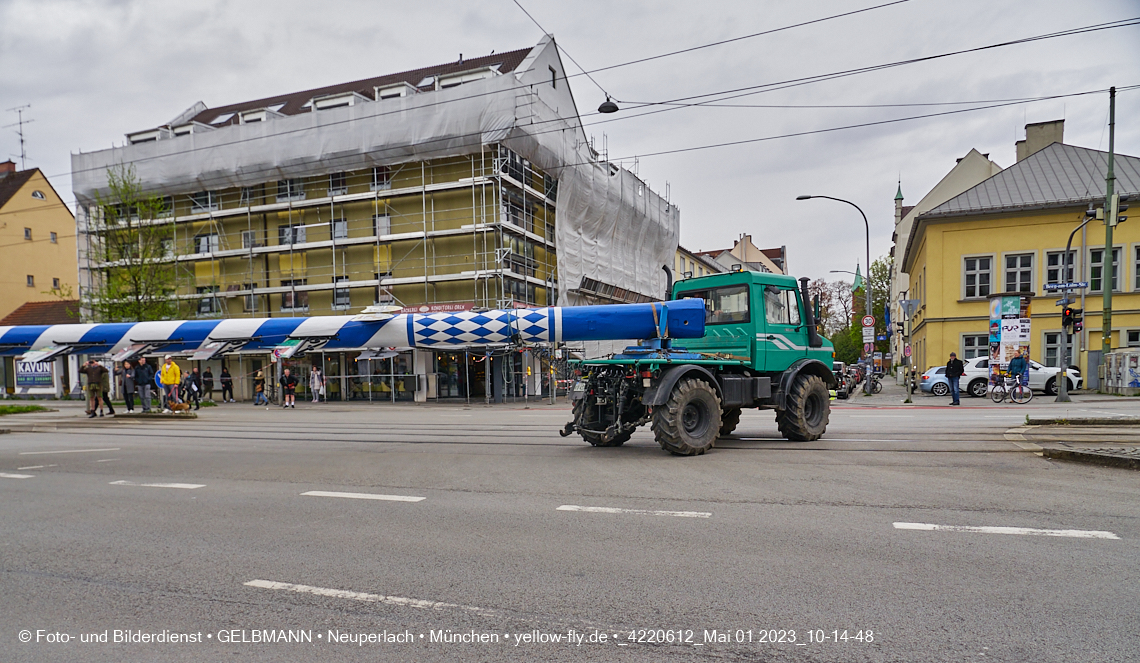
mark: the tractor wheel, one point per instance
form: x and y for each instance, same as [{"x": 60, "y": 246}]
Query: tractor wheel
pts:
[
  {"x": 807, "y": 409},
  {"x": 729, "y": 420},
  {"x": 687, "y": 425},
  {"x": 597, "y": 439}
]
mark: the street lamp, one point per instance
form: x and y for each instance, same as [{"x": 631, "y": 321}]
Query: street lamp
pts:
[
  {"x": 608, "y": 106},
  {"x": 867, "y": 281}
]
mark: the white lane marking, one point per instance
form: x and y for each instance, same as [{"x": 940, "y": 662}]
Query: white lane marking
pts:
[
  {"x": 107, "y": 460},
  {"x": 186, "y": 486},
  {"x": 639, "y": 512},
  {"x": 35, "y": 467},
  {"x": 69, "y": 451},
  {"x": 365, "y": 496},
  {"x": 5, "y": 475},
  {"x": 1029, "y": 531},
  {"x": 371, "y": 598}
]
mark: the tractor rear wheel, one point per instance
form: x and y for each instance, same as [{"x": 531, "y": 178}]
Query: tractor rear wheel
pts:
[
  {"x": 729, "y": 420},
  {"x": 807, "y": 408},
  {"x": 688, "y": 424},
  {"x": 597, "y": 439}
]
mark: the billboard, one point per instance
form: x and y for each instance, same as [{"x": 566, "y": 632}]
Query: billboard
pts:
[{"x": 32, "y": 374}]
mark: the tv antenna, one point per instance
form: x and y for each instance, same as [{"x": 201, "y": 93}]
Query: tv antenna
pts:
[{"x": 19, "y": 110}]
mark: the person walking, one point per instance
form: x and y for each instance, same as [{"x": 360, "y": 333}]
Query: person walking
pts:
[
  {"x": 259, "y": 389},
  {"x": 170, "y": 376},
  {"x": 144, "y": 378},
  {"x": 94, "y": 374},
  {"x": 192, "y": 388},
  {"x": 316, "y": 383},
  {"x": 955, "y": 369},
  {"x": 288, "y": 389},
  {"x": 105, "y": 386},
  {"x": 227, "y": 385},
  {"x": 129, "y": 385},
  {"x": 207, "y": 384}
]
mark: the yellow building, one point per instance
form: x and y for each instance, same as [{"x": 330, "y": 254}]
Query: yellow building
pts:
[
  {"x": 1008, "y": 235},
  {"x": 37, "y": 232},
  {"x": 688, "y": 264}
]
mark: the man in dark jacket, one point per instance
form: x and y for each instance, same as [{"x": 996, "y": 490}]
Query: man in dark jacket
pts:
[
  {"x": 954, "y": 371},
  {"x": 144, "y": 379}
]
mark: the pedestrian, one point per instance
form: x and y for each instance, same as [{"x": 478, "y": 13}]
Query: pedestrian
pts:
[
  {"x": 227, "y": 385},
  {"x": 144, "y": 378},
  {"x": 955, "y": 369},
  {"x": 170, "y": 376},
  {"x": 316, "y": 383},
  {"x": 1019, "y": 368},
  {"x": 208, "y": 384},
  {"x": 94, "y": 374},
  {"x": 192, "y": 388},
  {"x": 259, "y": 389},
  {"x": 288, "y": 388},
  {"x": 129, "y": 385},
  {"x": 105, "y": 386}
]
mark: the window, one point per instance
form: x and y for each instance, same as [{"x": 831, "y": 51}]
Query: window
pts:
[
  {"x": 723, "y": 305},
  {"x": 341, "y": 298},
  {"x": 1136, "y": 267},
  {"x": 520, "y": 291},
  {"x": 1053, "y": 348},
  {"x": 206, "y": 243},
  {"x": 1133, "y": 338},
  {"x": 55, "y": 284},
  {"x": 977, "y": 277},
  {"x": 340, "y": 229},
  {"x": 39, "y": 195},
  {"x": 338, "y": 184},
  {"x": 249, "y": 302},
  {"x": 381, "y": 178},
  {"x": 553, "y": 77},
  {"x": 294, "y": 234},
  {"x": 31, "y": 281},
  {"x": 167, "y": 248},
  {"x": 293, "y": 300},
  {"x": 1060, "y": 270},
  {"x": 203, "y": 201},
  {"x": 383, "y": 224},
  {"x": 292, "y": 189},
  {"x": 208, "y": 304},
  {"x": 251, "y": 195},
  {"x": 1019, "y": 272},
  {"x": 781, "y": 306},
  {"x": 27, "y": 233},
  {"x": 54, "y": 238},
  {"x": 975, "y": 345},
  {"x": 251, "y": 239},
  {"x": 1096, "y": 269}
]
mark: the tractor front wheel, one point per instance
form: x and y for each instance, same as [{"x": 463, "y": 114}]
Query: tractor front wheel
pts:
[{"x": 688, "y": 424}]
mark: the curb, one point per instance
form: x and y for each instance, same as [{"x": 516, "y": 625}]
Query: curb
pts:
[
  {"x": 1106, "y": 457},
  {"x": 157, "y": 415},
  {"x": 1083, "y": 421}
]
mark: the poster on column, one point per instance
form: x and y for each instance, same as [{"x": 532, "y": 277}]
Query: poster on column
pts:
[{"x": 1010, "y": 331}]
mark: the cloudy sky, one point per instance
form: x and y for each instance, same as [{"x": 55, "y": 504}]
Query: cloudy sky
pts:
[{"x": 93, "y": 70}]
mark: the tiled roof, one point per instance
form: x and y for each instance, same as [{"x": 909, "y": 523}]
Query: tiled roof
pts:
[
  {"x": 294, "y": 103},
  {"x": 12, "y": 182},
  {"x": 55, "y": 312},
  {"x": 1058, "y": 176}
]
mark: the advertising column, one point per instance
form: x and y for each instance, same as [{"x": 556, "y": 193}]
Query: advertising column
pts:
[{"x": 1010, "y": 331}]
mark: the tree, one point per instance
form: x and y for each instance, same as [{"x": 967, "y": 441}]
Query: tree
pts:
[{"x": 132, "y": 277}]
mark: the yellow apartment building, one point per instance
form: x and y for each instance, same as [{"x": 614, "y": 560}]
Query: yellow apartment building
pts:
[
  {"x": 37, "y": 233},
  {"x": 1008, "y": 235}
]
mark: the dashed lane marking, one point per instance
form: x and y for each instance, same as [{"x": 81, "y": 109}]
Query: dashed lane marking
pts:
[
  {"x": 185, "y": 486},
  {"x": 370, "y": 598},
  {"x": 636, "y": 512},
  {"x": 5, "y": 475},
  {"x": 35, "y": 467},
  {"x": 66, "y": 451},
  {"x": 365, "y": 496},
  {"x": 1025, "y": 531}
]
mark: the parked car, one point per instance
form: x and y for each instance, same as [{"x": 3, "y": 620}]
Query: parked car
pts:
[
  {"x": 934, "y": 381},
  {"x": 1041, "y": 377}
]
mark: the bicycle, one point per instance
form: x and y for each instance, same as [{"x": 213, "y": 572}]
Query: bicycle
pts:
[
  {"x": 1011, "y": 387},
  {"x": 876, "y": 385}
]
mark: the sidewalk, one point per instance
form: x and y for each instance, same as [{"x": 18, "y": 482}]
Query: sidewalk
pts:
[{"x": 895, "y": 395}]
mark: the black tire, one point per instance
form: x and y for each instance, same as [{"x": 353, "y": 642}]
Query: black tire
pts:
[
  {"x": 808, "y": 409},
  {"x": 1051, "y": 386},
  {"x": 978, "y": 388},
  {"x": 687, "y": 425},
  {"x": 597, "y": 439},
  {"x": 876, "y": 387},
  {"x": 998, "y": 393},
  {"x": 940, "y": 389},
  {"x": 729, "y": 420}
]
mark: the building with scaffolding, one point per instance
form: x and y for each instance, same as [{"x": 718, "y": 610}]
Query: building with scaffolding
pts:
[{"x": 465, "y": 185}]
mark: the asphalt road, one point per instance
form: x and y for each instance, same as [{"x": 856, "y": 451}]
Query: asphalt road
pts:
[{"x": 494, "y": 527}]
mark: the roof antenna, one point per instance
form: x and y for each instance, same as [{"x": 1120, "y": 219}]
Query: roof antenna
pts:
[
  {"x": 460, "y": 58},
  {"x": 19, "y": 110}
]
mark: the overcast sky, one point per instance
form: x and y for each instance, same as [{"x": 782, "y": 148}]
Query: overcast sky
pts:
[{"x": 94, "y": 70}]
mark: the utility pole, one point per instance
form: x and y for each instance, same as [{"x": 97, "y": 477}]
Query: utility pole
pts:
[
  {"x": 1108, "y": 267},
  {"x": 20, "y": 132}
]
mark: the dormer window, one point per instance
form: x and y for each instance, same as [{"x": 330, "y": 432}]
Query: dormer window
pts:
[
  {"x": 148, "y": 136},
  {"x": 258, "y": 115},
  {"x": 453, "y": 80},
  {"x": 39, "y": 195},
  {"x": 191, "y": 128},
  {"x": 338, "y": 100},
  {"x": 394, "y": 91},
  {"x": 222, "y": 119}
]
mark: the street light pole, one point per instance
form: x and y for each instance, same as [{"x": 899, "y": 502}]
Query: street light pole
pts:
[{"x": 867, "y": 281}]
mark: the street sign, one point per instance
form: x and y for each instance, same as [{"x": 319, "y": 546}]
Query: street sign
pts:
[
  {"x": 867, "y": 349},
  {"x": 1072, "y": 285},
  {"x": 881, "y": 337},
  {"x": 868, "y": 321},
  {"x": 868, "y": 334},
  {"x": 906, "y": 351}
]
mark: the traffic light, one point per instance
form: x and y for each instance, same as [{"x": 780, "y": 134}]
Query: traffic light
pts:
[
  {"x": 900, "y": 326},
  {"x": 1078, "y": 320},
  {"x": 1120, "y": 207},
  {"x": 1067, "y": 317}
]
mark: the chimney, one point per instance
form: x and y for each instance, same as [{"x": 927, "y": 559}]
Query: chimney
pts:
[
  {"x": 1040, "y": 135},
  {"x": 7, "y": 168}
]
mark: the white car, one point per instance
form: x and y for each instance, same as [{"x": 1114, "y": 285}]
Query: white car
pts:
[{"x": 1041, "y": 378}]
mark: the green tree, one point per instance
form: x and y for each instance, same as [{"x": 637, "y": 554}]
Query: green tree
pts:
[
  {"x": 132, "y": 278},
  {"x": 879, "y": 277}
]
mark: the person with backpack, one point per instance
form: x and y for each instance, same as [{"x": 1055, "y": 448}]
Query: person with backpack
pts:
[{"x": 207, "y": 384}]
